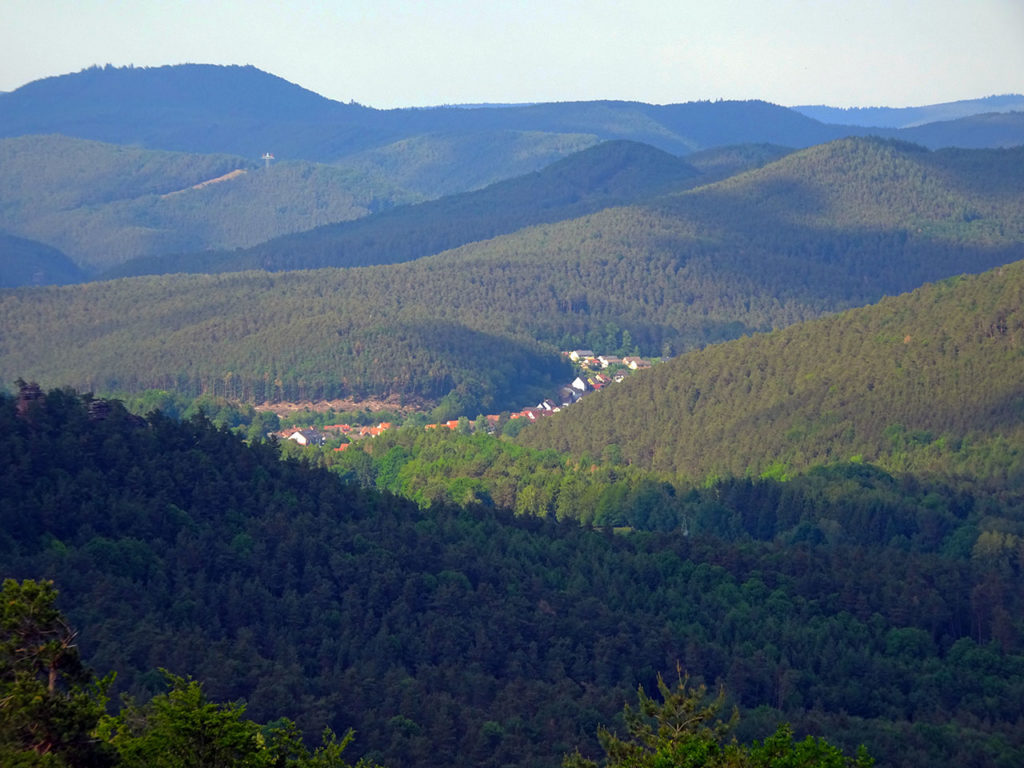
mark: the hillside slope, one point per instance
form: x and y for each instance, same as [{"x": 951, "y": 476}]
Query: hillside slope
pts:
[
  {"x": 820, "y": 230},
  {"x": 103, "y": 203},
  {"x": 471, "y": 638},
  {"x": 909, "y": 117},
  {"x": 610, "y": 174},
  {"x": 28, "y": 262},
  {"x": 905, "y": 384},
  {"x": 243, "y": 111},
  {"x": 184, "y": 108}
]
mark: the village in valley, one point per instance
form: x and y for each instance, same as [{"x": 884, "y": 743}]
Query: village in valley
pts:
[{"x": 594, "y": 373}]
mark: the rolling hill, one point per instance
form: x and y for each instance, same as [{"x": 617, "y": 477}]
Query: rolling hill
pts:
[
  {"x": 430, "y": 165},
  {"x": 103, "y": 203},
  {"x": 909, "y": 117},
  {"x": 382, "y": 157},
  {"x": 818, "y": 231},
  {"x": 927, "y": 381},
  {"x": 613, "y": 173},
  {"x": 243, "y": 111},
  {"x": 28, "y": 262}
]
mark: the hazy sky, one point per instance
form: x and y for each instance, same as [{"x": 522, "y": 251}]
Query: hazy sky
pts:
[{"x": 387, "y": 53}]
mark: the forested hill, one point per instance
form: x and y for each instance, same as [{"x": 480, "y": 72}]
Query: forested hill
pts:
[
  {"x": 826, "y": 228},
  {"x": 104, "y": 203},
  {"x": 823, "y": 229},
  {"x": 461, "y": 638},
  {"x": 929, "y": 381},
  {"x": 908, "y": 117},
  {"x": 184, "y": 108},
  {"x": 234, "y": 115},
  {"x": 612, "y": 173},
  {"x": 28, "y": 262},
  {"x": 720, "y": 163},
  {"x": 243, "y": 111}
]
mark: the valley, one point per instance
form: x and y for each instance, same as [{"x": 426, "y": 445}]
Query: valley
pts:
[{"x": 611, "y": 395}]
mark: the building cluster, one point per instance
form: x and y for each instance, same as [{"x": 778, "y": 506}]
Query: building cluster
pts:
[
  {"x": 596, "y": 373},
  {"x": 319, "y": 436}
]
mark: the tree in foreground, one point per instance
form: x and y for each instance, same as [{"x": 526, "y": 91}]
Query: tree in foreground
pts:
[
  {"x": 52, "y": 709},
  {"x": 686, "y": 730},
  {"x": 184, "y": 729},
  {"x": 50, "y": 702}
]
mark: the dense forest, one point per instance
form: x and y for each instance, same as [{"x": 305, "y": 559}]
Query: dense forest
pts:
[
  {"x": 451, "y": 635},
  {"x": 926, "y": 382},
  {"x": 102, "y": 204},
  {"x": 820, "y": 518},
  {"x": 243, "y": 111},
  {"x": 819, "y": 230},
  {"x": 613, "y": 173},
  {"x": 53, "y": 716},
  {"x": 29, "y": 262},
  {"x": 105, "y": 203}
]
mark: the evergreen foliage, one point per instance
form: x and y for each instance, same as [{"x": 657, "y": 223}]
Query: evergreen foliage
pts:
[
  {"x": 820, "y": 230},
  {"x": 685, "y": 730},
  {"x": 182, "y": 728},
  {"x": 50, "y": 702},
  {"x": 926, "y": 382},
  {"x": 612, "y": 173},
  {"x": 103, "y": 204},
  {"x": 52, "y": 708},
  {"x": 466, "y": 636}
]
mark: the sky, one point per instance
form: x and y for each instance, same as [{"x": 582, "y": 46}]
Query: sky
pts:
[{"x": 396, "y": 53}]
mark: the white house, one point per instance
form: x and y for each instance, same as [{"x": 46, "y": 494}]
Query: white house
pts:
[{"x": 307, "y": 437}]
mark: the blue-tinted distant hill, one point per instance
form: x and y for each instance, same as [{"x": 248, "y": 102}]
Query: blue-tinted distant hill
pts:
[
  {"x": 244, "y": 111},
  {"x": 909, "y": 117},
  {"x": 990, "y": 130},
  {"x": 28, "y": 262},
  {"x": 102, "y": 204},
  {"x": 190, "y": 107}
]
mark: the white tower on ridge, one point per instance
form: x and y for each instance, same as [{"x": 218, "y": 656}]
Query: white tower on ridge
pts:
[{"x": 267, "y": 157}]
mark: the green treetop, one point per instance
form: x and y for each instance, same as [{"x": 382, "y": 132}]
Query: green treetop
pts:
[
  {"x": 50, "y": 702},
  {"x": 685, "y": 730}
]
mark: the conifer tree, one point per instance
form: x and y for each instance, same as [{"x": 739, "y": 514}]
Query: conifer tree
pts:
[{"x": 50, "y": 702}]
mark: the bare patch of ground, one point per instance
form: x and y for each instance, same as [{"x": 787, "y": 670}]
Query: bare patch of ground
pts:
[
  {"x": 394, "y": 404},
  {"x": 225, "y": 177}
]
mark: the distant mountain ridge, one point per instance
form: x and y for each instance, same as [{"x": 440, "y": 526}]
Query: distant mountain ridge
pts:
[
  {"x": 382, "y": 157},
  {"x": 910, "y": 117},
  {"x": 28, "y": 262},
  {"x": 243, "y": 111}
]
